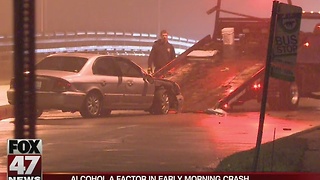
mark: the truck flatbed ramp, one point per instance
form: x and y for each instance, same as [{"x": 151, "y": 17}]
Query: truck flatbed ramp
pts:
[{"x": 209, "y": 84}]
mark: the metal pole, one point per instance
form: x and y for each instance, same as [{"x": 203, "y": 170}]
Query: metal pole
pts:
[
  {"x": 273, "y": 142},
  {"x": 18, "y": 70},
  {"x": 41, "y": 16},
  {"x": 216, "y": 27},
  {"x": 265, "y": 85},
  {"x": 24, "y": 69},
  {"x": 159, "y": 22}
]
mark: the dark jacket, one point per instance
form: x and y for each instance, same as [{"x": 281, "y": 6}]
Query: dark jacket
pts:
[{"x": 161, "y": 54}]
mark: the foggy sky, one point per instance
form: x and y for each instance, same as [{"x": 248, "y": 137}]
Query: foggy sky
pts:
[{"x": 184, "y": 18}]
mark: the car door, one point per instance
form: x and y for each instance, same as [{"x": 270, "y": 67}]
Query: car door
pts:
[
  {"x": 108, "y": 77},
  {"x": 138, "y": 92}
]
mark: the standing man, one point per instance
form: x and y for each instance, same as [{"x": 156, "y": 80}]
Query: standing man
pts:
[{"x": 162, "y": 53}]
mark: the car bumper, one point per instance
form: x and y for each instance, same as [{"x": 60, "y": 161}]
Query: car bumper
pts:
[{"x": 52, "y": 100}]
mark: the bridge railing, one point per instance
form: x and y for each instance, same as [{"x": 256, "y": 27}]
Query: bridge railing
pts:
[{"x": 124, "y": 43}]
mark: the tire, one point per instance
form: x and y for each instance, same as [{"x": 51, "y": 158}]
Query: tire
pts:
[
  {"x": 38, "y": 113},
  {"x": 292, "y": 98},
  {"x": 161, "y": 104},
  {"x": 287, "y": 99},
  {"x": 91, "y": 106},
  {"x": 105, "y": 112}
]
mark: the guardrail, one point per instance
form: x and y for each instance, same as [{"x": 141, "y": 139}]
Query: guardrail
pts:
[{"x": 122, "y": 43}]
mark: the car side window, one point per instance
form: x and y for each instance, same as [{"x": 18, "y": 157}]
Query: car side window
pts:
[
  {"x": 104, "y": 66},
  {"x": 128, "y": 69}
]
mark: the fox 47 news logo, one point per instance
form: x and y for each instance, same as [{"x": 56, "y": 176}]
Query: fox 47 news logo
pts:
[{"x": 24, "y": 159}]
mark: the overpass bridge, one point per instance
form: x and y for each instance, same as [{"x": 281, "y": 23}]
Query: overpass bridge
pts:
[
  {"x": 101, "y": 41},
  {"x": 133, "y": 44}
]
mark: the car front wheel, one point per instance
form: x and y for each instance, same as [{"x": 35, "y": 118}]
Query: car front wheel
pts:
[
  {"x": 161, "y": 104},
  {"x": 92, "y": 106}
]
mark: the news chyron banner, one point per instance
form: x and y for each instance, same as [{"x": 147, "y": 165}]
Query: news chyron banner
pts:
[
  {"x": 25, "y": 163},
  {"x": 173, "y": 176},
  {"x": 24, "y": 159}
]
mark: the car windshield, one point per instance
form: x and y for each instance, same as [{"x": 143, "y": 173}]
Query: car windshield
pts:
[{"x": 62, "y": 63}]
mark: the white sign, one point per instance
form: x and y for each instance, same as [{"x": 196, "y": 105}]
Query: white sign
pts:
[{"x": 285, "y": 42}]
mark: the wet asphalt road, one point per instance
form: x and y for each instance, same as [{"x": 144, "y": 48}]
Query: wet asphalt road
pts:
[{"x": 138, "y": 142}]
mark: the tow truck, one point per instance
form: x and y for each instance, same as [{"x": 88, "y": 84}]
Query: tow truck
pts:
[{"x": 225, "y": 70}]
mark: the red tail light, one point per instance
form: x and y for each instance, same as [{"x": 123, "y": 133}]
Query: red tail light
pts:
[
  {"x": 61, "y": 85},
  {"x": 256, "y": 86}
]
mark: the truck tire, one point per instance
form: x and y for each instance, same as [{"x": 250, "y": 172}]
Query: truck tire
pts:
[{"x": 286, "y": 98}]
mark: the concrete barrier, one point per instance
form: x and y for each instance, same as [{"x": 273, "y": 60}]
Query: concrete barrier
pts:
[{"x": 6, "y": 111}]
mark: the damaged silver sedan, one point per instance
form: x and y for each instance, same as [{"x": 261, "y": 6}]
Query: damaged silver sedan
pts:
[{"x": 96, "y": 84}]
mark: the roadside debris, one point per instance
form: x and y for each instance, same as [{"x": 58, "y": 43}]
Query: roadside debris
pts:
[{"x": 218, "y": 112}]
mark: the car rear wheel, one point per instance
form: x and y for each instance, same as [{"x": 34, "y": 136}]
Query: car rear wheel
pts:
[
  {"x": 161, "y": 104},
  {"x": 92, "y": 106},
  {"x": 105, "y": 112}
]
